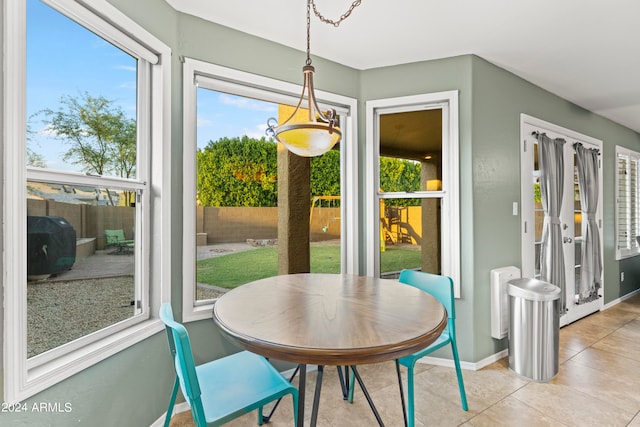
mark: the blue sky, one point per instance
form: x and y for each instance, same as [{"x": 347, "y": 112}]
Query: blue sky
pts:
[{"x": 63, "y": 58}]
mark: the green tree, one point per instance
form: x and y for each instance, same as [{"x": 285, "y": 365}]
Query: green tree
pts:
[
  {"x": 101, "y": 138},
  {"x": 243, "y": 172},
  {"x": 33, "y": 158},
  {"x": 237, "y": 172},
  {"x": 399, "y": 175},
  {"x": 325, "y": 174}
]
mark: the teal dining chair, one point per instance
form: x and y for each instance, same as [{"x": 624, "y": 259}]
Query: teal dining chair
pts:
[
  {"x": 223, "y": 389},
  {"x": 441, "y": 288}
]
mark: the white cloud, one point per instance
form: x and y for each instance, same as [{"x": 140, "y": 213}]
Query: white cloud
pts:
[
  {"x": 128, "y": 85},
  {"x": 125, "y": 68},
  {"x": 257, "y": 132},
  {"x": 247, "y": 103},
  {"x": 47, "y": 131},
  {"x": 204, "y": 122}
]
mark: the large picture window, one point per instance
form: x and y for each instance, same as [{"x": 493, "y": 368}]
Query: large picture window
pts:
[
  {"x": 231, "y": 188},
  {"x": 83, "y": 279}
]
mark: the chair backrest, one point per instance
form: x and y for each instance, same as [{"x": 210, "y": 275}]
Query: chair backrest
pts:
[
  {"x": 441, "y": 287},
  {"x": 114, "y": 236},
  {"x": 180, "y": 348}
]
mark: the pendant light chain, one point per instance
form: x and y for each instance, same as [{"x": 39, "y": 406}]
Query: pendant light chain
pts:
[
  {"x": 322, "y": 18},
  {"x": 344, "y": 16},
  {"x": 308, "y": 62},
  {"x": 320, "y": 133}
]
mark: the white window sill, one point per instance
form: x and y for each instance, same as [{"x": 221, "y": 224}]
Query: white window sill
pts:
[{"x": 41, "y": 377}]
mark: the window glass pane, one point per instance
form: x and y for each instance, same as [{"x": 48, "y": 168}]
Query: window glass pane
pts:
[
  {"x": 410, "y": 236},
  {"x": 411, "y": 151},
  {"x": 237, "y": 182},
  {"x": 633, "y": 206},
  {"x": 410, "y": 162},
  {"x": 237, "y": 200},
  {"x": 81, "y": 98},
  {"x": 622, "y": 202},
  {"x": 80, "y": 262},
  {"x": 324, "y": 218}
]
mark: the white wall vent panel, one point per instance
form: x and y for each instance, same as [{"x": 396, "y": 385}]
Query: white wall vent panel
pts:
[{"x": 500, "y": 300}]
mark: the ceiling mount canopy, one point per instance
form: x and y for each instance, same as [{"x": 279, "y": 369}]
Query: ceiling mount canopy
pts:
[{"x": 317, "y": 132}]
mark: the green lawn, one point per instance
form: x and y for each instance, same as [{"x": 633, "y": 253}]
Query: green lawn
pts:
[{"x": 229, "y": 271}]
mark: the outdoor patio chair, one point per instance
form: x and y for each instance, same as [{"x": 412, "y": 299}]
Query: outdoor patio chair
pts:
[
  {"x": 223, "y": 389},
  {"x": 116, "y": 240}
]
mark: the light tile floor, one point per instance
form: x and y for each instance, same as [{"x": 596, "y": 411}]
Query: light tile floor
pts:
[{"x": 598, "y": 384}]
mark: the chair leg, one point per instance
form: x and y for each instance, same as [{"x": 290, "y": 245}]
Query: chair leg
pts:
[
  {"x": 404, "y": 406},
  {"x": 172, "y": 401},
  {"x": 410, "y": 397},
  {"x": 294, "y": 399},
  {"x": 265, "y": 419},
  {"x": 260, "y": 418},
  {"x": 456, "y": 361}
]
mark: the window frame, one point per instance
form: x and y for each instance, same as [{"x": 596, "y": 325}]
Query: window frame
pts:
[
  {"x": 631, "y": 247},
  {"x": 449, "y": 195},
  {"x": 25, "y": 377},
  {"x": 219, "y": 78}
]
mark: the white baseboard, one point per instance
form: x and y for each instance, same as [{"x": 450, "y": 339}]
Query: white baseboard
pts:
[
  {"x": 178, "y": 408},
  {"x": 622, "y": 298},
  {"x": 470, "y": 366}
]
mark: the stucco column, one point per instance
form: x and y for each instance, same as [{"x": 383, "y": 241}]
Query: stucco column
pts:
[
  {"x": 294, "y": 174},
  {"x": 430, "y": 224}
]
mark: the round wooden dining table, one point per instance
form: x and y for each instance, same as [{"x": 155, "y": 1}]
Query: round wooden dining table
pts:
[{"x": 329, "y": 319}]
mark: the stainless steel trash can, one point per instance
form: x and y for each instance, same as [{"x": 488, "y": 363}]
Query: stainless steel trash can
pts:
[{"x": 534, "y": 328}]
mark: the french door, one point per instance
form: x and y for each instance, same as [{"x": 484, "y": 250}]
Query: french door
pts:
[{"x": 572, "y": 216}]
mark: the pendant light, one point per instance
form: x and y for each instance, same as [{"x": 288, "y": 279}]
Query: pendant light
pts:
[{"x": 318, "y": 132}]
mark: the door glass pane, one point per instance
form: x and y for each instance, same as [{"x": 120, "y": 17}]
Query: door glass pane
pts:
[
  {"x": 80, "y": 262},
  {"x": 578, "y": 230},
  {"x": 538, "y": 211}
]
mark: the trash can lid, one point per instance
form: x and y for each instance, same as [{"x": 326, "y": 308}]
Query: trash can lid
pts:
[{"x": 533, "y": 289}]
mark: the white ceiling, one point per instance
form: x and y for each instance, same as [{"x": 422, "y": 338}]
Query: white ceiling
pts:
[{"x": 586, "y": 51}]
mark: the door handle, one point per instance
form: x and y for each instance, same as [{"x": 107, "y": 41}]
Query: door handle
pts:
[{"x": 567, "y": 240}]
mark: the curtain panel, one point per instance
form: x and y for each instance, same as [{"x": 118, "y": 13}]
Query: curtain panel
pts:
[{"x": 551, "y": 164}]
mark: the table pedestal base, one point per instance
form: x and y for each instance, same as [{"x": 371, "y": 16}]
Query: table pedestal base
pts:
[{"x": 344, "y": 385}]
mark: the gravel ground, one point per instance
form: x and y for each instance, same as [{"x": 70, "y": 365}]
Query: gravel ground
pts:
[
  {"x": 59, "y": 312},
  {"x": 68, "y": 306},
  {"x": 97, "y": 292}
]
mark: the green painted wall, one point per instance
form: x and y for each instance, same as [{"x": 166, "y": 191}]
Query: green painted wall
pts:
[
  {"x": 132, "y": 387},
  {"x": 428, "y": 77},
  {"x": 498, "y": 99},
  {"x": 491, "y": 101}
]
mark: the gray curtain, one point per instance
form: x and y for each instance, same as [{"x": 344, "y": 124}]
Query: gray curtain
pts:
[
  {"x": 591, "y": 270},
  {"x": 551, "y": 164}
]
